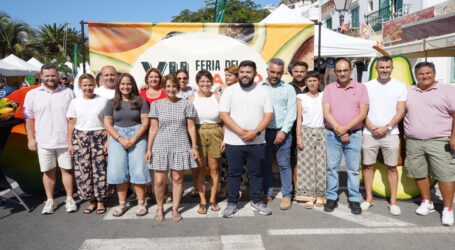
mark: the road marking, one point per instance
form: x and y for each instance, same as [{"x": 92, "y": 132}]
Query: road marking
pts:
[
  {"x": 383, "y": 230},
  {"x": 188, "y": 210},
  {"x": 367, "y": 218},
  {"x": 181, "y": 243}
]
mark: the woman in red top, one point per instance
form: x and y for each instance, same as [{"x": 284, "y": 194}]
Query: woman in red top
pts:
[{"x": 152, "y": 90}]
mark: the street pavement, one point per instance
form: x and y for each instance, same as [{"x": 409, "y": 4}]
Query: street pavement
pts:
[{"x": 296, "y": 228}]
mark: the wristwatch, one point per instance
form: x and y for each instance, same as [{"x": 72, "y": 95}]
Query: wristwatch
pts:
[
  {"x": 389, "y": 128},
  {"x": 258, "y": 132}
]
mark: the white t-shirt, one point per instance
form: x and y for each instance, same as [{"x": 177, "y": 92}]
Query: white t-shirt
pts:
[
  {"x": 88, "y": 113},
  {"x": 246, "y": 107},
  {"x": 312, "y": 115},
  {"x": 105, "y": 92},
  {"x": 383, "y": 102}
]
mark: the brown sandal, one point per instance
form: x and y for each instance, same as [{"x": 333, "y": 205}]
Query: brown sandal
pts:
[
  {"x": 214, "y": 206},
  {"x": 202, "y": 209}
]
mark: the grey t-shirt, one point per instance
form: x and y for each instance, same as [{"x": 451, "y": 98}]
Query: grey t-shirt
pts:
[{"x": 126, "y": 117}]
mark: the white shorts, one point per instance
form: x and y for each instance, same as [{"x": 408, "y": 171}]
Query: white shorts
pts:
[{"x": 48, "y": 159}]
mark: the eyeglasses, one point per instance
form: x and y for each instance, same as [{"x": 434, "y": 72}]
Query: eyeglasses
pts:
[{"x": 342, "y": 70}]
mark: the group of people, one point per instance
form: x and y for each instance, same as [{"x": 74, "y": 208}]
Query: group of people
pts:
[{"x": 116, "y": 133}]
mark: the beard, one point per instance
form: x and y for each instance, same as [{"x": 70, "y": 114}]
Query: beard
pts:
[
  {"x": 51, "y": 84},
  {"x": 246, "y": 85}
]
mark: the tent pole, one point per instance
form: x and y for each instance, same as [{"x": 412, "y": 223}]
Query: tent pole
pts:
[
  {"x": 83, "y": 45},
  {"x": 319, "y": 45}
]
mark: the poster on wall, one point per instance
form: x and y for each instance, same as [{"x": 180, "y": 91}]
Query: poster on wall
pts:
[{"x": 136, "y": 47}]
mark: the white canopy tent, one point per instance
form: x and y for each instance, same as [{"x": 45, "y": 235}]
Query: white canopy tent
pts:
[
  {"x": 7, "y": 69},
  {"x": 33, "y": 61},
  {"x": 20, "y": 64},
  {"x": 333, "y": 43}
]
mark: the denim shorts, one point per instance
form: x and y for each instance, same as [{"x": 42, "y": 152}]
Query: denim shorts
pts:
[{"x": 127, "y": 165}]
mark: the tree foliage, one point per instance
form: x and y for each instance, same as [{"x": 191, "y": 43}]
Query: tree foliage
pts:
[{"x": 237, "y": 11}]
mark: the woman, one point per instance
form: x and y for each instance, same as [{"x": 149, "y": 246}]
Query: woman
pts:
[
  {"x": 231, "y": 75},
  {"x": 210, "y": 137},
  {"x": 125, "y": 119},
  {"x": 185, "y": 92},
  {"x": 152, "y": 90},
  {"x": 311, "y": 157},
  {"x": 87, "y": 144},
  {"x": 168, "y": 148}
]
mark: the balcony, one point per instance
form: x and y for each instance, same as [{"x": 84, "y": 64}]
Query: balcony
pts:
[{"x": 377, "y": 18}]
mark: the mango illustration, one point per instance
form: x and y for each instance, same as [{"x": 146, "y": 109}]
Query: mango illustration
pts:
[
  {"x": 118, "y": 37},
  {"x": 98, "y": 59}
]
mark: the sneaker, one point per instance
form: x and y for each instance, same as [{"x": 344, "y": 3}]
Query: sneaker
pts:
[
  {"x": 261, "y": 208},
  {"x": 230, "y": 210},
  {"x": 285, "y": 203},
  {"x": 355, "y": 207},
  {"x": 447, "y": 217},
  {"x": 425, "y": 207},
  {"x": 330, "y": 205},
  {"x": 365, "y": 205},
  {"x": 49, "y": 207},
  {"x": 394, "y": 210},
  {"x": 70, "y": 205}
]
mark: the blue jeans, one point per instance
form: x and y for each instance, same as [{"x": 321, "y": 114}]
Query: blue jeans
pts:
[
  {"x": 236, "y": 156},
  {"x": 351, "y": 151},
  {"x": 282, "y": 152},
  {"x": 127, "y": 165}
]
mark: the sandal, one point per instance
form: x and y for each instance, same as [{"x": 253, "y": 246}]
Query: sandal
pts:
[
  {"x": 309, "y": 204},
  {"x": 159, "y": 216},
  {"x": 100, "y": 210},
  {"x": 214, "y": 206},
  {"x": 90, "y": 207},
  {"x": 319, "y": 202},
  {"x": 202, "y": 209},
  {"x": 141, "y": 209},
  {"x": 120, "y": 209},
  {"x": 177, "y": 218}
]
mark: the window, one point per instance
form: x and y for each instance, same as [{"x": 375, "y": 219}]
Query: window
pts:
[
  {"x": 328, "y": 23},
  {"x": 355, "y": 17},
  {"x": 452, "y": 71}
]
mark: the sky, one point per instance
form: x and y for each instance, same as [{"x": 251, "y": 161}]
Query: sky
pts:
[{"x": 39, "y": 12}]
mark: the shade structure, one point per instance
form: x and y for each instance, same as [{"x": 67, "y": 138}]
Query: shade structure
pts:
[
  {"x": 7, "y": 69},
  {"x": 20, "y": 64},
  {"x": 33, "y": 61},
  {"x": 333, "y": 43},
  {"x": 438, "y": 46}
]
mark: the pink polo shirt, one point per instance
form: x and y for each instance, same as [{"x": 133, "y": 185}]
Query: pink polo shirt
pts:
[
  {"x": 345, "y": 102},
  {"x": 49, "y": 109},
  {"x": 428, "y": 113}
]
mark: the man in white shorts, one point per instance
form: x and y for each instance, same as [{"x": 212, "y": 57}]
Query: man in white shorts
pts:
[
  {"x": 45, "y": 111},
  {"x": 387, "y": 108}
]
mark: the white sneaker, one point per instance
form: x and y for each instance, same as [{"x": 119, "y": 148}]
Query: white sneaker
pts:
[
  {"x": 425, "y": 207},
  {"x": 394, "y": 210},
  {"x": 49, "y": 207},
  {"x": 447, "y": 217},
  {"x": 365, "y": 205},
  {"x": 70, "y": 205}
]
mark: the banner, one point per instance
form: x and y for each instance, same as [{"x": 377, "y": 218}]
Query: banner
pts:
[{"x": 136, "y": 47}]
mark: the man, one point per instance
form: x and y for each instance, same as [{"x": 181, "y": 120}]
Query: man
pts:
[
  {"x": 246, "y": 110},
  {"x": 45, "y": 110},
  {"x": 345, "y": 106},
  {"x": 278, "y": 135},
  {"x": 298, "y": 71},
  {"x": 387, "y": 99},
  {"x": 5, "y": 90},
  {"x": 108, "y": 81},
  {"x": 429, "y": 127}
]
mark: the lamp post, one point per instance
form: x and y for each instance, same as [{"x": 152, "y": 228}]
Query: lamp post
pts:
[{"x": 342, "y": 6}]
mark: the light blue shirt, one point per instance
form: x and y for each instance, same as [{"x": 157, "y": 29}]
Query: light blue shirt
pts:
[{"x": 284, "y": 106}]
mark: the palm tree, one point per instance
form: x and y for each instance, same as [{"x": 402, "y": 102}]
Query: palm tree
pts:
[
  {"x": 56, "y": 38},
  {"x": 14, "y": 36}
]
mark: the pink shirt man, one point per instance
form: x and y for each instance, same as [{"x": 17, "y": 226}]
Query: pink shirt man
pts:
[
  {"x": 345, "y": 102},
  {"x": 48, "y": 109},
  {"x": 428, "y": 113}
]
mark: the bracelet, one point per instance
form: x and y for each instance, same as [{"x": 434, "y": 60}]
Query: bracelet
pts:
[
  {"x": 195, "y": 146},
  {"x": 117, "y": 137}
]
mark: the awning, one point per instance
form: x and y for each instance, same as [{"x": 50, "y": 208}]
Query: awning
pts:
[{"x": 438, "y": 46}]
